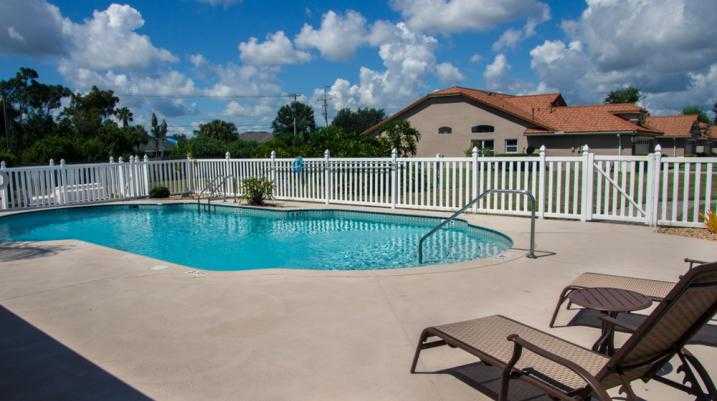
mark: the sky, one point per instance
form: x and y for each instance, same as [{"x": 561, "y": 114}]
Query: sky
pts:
[{"x": 191, "y": 61}]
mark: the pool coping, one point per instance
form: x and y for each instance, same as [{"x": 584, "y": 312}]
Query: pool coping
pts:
[{"x": 506, "y": 256}]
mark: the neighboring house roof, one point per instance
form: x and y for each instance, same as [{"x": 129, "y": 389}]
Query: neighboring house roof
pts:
[
  {"x": 673, "y": 126},
  {"x": 599, "y": 118},
  {"x": 544, "y": 114},
  {"x": 257, "y": 136}
]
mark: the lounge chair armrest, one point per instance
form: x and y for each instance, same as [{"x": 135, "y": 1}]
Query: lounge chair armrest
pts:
[
  {"x": 520, "y": 343},
  {"x": 694, "y": 262},
  {"x": 611, "y": 321}
]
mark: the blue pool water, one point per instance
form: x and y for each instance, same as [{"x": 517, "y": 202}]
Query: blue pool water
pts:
[{"x": 228, "y": 238}]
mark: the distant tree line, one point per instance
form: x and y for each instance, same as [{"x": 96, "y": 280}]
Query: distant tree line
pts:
[
  {"x": 40, "y": 122},
  {"x": 295, "y": 133}
]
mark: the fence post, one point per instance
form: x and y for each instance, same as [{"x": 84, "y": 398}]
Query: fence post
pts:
[
  {"x": 121, "y": 176},
  {"x": 541, "y": 183},
  {"x": 53, "y": 182},
  {"x": 189, "y": 183},
  {"x": 474, "y": 181},
  {"x": 272, "y": 157},
  {"x": 227, "y": 169},
  {"x": 63, "y": 182},
  {"x": 586, "y": 196},
  {"x": 145, "y": 174},
  {"x": 654, "y": 165},
  {"x": 394, "y": 178},
  {"x": 5, "y": 183},
  {"x": 327, "y": 176}
]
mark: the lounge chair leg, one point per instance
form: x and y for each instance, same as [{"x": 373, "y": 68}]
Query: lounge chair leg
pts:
[
  {"x": 692, "y": 368},
  {"x": 424, "y": 335},
  {"x": 626, "y": 389},
  {"x": 561, "y": 299}
]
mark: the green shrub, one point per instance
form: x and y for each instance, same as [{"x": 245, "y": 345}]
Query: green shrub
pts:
[
  {"x": 257, "y": 190},
  {"x": 159, "y": 192}
]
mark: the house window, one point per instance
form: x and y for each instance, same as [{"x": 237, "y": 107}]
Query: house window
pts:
[
  {"x": 511, "y": 146},
  {"x": 485, "y": 146},
  {"x": 445, "y": 130},
  {"x": 477, "y": 129}
]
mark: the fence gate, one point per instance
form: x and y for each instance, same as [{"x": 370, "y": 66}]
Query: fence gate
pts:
[{"x": 620, "y": 188}]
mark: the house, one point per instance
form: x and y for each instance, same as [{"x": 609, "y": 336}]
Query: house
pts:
[
  {"x": 256, "y": 136},
  {"x": 683, "y": 135},
  {"x": 454, "y": 120}
]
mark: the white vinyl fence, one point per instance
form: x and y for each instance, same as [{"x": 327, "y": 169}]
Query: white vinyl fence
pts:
[{"x": 650, "y": 189}]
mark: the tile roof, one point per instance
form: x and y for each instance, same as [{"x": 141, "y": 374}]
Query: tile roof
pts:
[
  {"x": 673, "y": 126},
  {"x": 546, "y": 113},
  {"x": 595, "y": 118}
]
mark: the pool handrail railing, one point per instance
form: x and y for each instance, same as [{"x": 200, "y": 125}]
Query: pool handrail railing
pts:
[{"x": 531, "y": 251}]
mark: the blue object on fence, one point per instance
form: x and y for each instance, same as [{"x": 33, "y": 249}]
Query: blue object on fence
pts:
[{"x": 297, "y": 165}]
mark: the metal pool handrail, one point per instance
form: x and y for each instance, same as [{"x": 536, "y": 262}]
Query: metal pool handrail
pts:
[{"x": 531, "y": 252}]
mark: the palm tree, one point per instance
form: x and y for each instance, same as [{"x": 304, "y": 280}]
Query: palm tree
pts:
[
  {"x": 159, "y": 134},
  {"x": 125, "y": 116}
]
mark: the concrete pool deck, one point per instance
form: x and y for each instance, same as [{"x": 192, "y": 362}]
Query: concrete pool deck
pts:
[{"x": 80, "y": 321}]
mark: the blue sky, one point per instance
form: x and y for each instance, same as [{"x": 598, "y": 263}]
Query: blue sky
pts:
[{"x": 195, "y": 60}]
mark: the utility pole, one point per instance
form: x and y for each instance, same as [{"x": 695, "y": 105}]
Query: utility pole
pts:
[{"x": 326, "y": 108}]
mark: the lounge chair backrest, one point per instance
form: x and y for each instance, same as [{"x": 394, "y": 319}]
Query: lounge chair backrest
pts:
[{"x": 690, "y": 304}]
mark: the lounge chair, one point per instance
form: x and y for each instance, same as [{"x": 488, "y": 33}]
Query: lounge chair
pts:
[
  {"x": 653, "y": 289},
  {"x": 569, "y": 371}
]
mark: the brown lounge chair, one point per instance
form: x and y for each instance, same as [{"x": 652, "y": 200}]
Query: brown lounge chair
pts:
[
  {"x": 653, "y": 289},
  {"x": 571, "y": 372}
]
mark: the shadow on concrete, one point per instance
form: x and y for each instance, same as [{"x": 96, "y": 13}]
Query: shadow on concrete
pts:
[
  {"x": 13, "y": 251},
  {"x": 486, "y": 380},
  {"x": 34, "y": 366},
  {"x": 589, "y": 318}
]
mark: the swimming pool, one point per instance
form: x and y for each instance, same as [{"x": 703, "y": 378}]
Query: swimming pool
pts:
[{"x": 231, "y": 238}]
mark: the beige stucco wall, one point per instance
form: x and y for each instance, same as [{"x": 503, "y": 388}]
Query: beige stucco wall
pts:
[
  {"x": 570, "y": 145},
  {"x": 460, "y": 116}
]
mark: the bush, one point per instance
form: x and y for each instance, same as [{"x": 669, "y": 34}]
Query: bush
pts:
[
  {"x": 257, "y": 190},
  {"x": 159, "y": 192}
]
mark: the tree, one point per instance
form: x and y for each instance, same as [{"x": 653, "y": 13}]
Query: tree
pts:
[
  {"x": 27, "y": 101},
  {"x": 125, "y": 116},
  {"x": 714, "y": 111},
  {"x": 401, "y": 136},
  {"x": 159, "y": 134},
  {"x": 629, "y": 94},
  {"x": 701, "y": 115},
  {"x": 356, "y": 122},
  {"x": 284, "y": 121},
  {"x": 87, "y": 112},
  {"x": 218, "y": 129}
]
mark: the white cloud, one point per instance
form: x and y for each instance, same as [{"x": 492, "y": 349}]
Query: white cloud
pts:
[
  {"x": 511, "y": 37},
  {"x": 197, "y": 60},
  {"x": 448, "y": 16},
  {"x": 277, "y": 49},
  {"x": 449, "y": 73},
  {"x": 243, "y": 80},
  {"x": 476, "y": 58},
  {"x": 609, "y": 47},
  {"x": 407, "y": 56},
  {"x": 495, "y": 72},
  {"x": 107, "y": 40},
  {"x": 32, "y": 27},
  {"x": 338, "y": 37}
]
